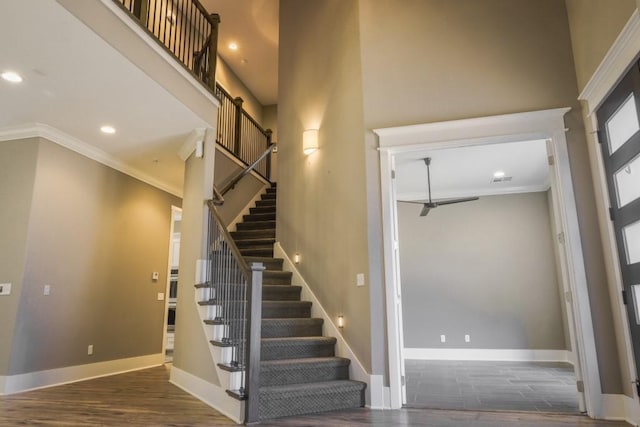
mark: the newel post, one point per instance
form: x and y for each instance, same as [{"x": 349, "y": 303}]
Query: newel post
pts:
[
  {"x": 254, "y": 321},
  {"x": 237, "y": 134},
  {"x": 214, "y": 19}
]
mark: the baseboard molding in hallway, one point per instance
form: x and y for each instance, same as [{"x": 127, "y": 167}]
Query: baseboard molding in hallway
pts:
[
  {"x": 11, "y": 384},
  {"x": 478, "y": 354}
]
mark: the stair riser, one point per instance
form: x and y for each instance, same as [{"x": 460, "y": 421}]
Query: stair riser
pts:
[
  {"x": 296, "y": 351},
  {"x": 259, "y": 217},
  {"x": 276, "y": 277},
  {"x": 242, "y": 244},
  {"x": 270, "y": 263},
  {"x": 270, "y": 312},
  {"x": 260, "y": 210},
  {"x": 269, "y": 233},
  {"x": 307, "y": 375},
  {"x": 268, "y": 196},
  {"x": 257, "y": 252},
  {"x": 266, "y": 204},
  {"x": 275, "y": 407},
  {"x": 256, "y": 225},
  {"x": 290, "y": 329},
  {"x": 281, "y": 293}
]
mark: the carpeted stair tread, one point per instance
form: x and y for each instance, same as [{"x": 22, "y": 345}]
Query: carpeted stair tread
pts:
[
  {"x": 308, "y": 370},
  {"x": 291, "y": 327},
  {"x": 262, "y": 210},
  {"x": 266, "y": 203},
  {"x": 281, "y": 292},
  {"x": 297, "y": 399},
  {"x": 265, "y": 251},
  {"x": 297, "y": 347},
  {"x": 275, "y": 277}
]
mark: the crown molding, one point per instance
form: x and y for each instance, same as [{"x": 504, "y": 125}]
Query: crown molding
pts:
[
  {"x": 40, "y": 130},
  {"x": 614, "y": 65}
]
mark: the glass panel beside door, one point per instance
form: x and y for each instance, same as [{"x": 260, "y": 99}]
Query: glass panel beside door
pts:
[{"x": 623, "y": 124}]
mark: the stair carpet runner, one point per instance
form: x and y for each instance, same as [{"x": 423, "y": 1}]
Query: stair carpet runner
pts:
[{"x": 299, "y": 372}]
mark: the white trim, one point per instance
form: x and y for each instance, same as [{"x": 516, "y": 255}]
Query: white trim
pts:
[
  {"x": 374, "y": 398},
  {"x": 211, "y": 394},
  {"x": 481, "y": 354},
  {"x": 176, "y": 213},
  {"x": 618, "y": 407},
  {"x": 52, "y": 377},
  {"x": 614, "y": 65},
  {"x": 546, "y": 124},
  {"x": 40, "y": 130},
  {"x": 193, "y": 143}
]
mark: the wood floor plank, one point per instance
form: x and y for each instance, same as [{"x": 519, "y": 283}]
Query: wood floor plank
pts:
[{"x": 146, "y": 398}]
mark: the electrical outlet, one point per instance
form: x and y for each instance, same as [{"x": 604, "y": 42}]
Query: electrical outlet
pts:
[
  {"x": 47, "y": 290},
  {"x": 360, "y": 279},
  {"x": 5, "y": 288},
  {"x": 467, "y": 338},
  {"x": 443, "y": 338},
  {"x": 90, "y": 349}
]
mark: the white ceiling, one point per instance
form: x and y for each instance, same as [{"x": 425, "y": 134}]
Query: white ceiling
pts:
[
  {"x": 468, "y": 171},
  {"x": 76, "y": 82},
  {"x": 253, "y": 25}
]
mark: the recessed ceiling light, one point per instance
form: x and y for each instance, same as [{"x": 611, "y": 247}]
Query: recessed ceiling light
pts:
[
  {"x": 498, "y": 174},
  {"x": 108, "y": 129},
  {"x": 12, "y": 77},
  {"x": 233, "y": 46}
]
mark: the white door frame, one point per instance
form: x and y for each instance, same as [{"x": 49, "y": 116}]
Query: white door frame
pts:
[
  {"x": 545, "y": 124},
  {"x": 176, "y": 213}
]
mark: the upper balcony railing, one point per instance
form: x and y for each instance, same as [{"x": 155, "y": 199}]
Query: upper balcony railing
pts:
[
  {"x": 190, "y": 34},
  {"x": 184, "y": 28}
]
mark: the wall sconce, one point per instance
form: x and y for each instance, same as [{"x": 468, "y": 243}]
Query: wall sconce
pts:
[
  {"x": 296, "y": 259},
  {"x": 309, "y": 141},
  {"x": 341, "y": 321}
]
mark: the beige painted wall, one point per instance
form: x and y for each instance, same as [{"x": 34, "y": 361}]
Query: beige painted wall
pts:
[
  {"x": 95, "y": 236},
  {"x": 17, "y": 175},
  {"x": 235, "y": 87},
  {"x": 439, "y": 60},
  {"x": 594, "y": 25},
  {"x": 322, "y": 210},
  {"x": 484, "y": 268}
]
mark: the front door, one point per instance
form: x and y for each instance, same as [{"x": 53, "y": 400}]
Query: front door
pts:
[{"x": 619, "y": 135}]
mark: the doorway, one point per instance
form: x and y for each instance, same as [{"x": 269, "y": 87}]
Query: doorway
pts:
[
  {"x": 172, "y": 284},
  {"x": 483, "y": 300},
  {"x": 546, "y": 125}
]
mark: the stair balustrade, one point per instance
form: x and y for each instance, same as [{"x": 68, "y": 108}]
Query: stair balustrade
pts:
[
  {"x": 235, "y": 293},
  {"x": 185, "y": 29}
]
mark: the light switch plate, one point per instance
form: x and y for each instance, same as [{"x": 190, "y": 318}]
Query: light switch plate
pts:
[
  {"x": 47, "y": 290},
  {"x": 160, "y": 296},
  {"x": 5, "y": 288},
  {"x": 360, "y": 279},
  {"x": 154, "y": 275}
]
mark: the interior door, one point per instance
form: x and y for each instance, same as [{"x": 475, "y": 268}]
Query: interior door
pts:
[{"x": 619, "y": 135}]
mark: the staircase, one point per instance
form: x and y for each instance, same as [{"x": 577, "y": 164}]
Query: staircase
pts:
[{"x": 299, "y": 372}]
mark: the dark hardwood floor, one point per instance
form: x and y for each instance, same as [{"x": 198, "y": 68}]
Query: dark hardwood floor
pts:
[{"x": 146, "y": 398}]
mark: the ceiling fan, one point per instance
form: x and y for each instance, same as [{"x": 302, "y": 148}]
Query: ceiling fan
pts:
[{"x": 431, "y": 204}]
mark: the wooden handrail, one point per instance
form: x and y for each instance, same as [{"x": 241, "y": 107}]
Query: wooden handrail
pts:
[{"x": 233, "y": 181}]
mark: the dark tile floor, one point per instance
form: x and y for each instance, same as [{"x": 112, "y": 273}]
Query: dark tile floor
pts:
[{"x": 491, "y": 386}]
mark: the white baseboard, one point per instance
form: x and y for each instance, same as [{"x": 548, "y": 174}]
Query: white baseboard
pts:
[
  {"x": 11, "y": 384},
  {"x": 618, "y": 407},
  {"x": 514, "y": 355},
  {"x": 211, "y": 394},
  {"x": 374, "y": 398}
]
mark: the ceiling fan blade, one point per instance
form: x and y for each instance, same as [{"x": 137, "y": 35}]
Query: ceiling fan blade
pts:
[
  {"x": 452, "y": 201},
  {"x": 425, "y": 210},
  {"x": 418, "y": 202}
]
